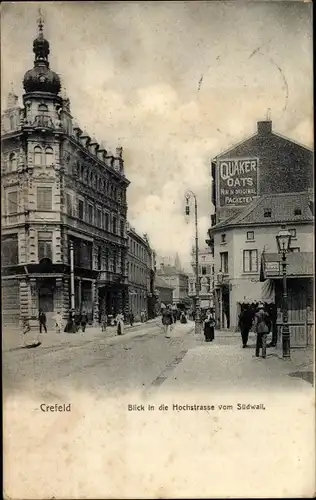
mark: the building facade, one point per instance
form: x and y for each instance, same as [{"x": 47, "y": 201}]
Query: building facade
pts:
[
  {"x": 59, "y": 187},
  {"x": 245, "y": 243},
  {"x": 265, "y": 163},
  {"x": 259, "y": 186},
  {"x": 141, "y": 275},
  {"x": 177, "y": 280},
  {"x": 164, "y": 293},
  {"x": 206, "y": 275}
]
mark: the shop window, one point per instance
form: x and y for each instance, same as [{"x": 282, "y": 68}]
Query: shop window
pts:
[
  {"x": 297, "y": 211},
  {"x": 38, "y": 156},
  {"x": 267, "y": 212},
  {"x": 49, "y": 156},
  {"x": 224, "y": 262},
  {"x": 250, "y": 235},
  {"x": 45, "y": 245},
  {"x": 250, "y": 261},
  {"x": 10, "y": 250},
  {"x": 44, "y": 198},
  {"x": 12, "y": 197}
]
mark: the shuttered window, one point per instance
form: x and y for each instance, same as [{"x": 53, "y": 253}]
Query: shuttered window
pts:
[{"x": 44, "y": 198}]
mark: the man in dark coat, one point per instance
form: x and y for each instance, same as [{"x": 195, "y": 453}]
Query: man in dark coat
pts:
[
  {"x": 42, "y": 321},
  {"x": 262, "y": 322},
  {"x": 245, "y": 324},
  {"x": 84, "y": 321}
]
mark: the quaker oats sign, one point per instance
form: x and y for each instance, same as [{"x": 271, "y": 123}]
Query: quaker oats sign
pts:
[{"x": 237, "y": 181}]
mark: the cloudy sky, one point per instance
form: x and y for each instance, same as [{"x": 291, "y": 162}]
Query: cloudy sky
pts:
[{"x": 175, "y": 83}]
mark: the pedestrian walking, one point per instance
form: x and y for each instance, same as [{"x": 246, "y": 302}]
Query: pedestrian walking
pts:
[
  {"x": 209, "y": 326},
  {"x": 83, "y": 321},
  {"x": 42, "y": 321},
  {"x": 120, "y": 323},
  {"x": 131, "y": 318},
  {"x": 245, "y": 324},
  {"x": 58, "y": 322},
  {"x": 262, "y": 325},
  {"x": 104, "y": 321},
  {"x": 167, "y": 320},
  {"x": 183, "y": 318}
]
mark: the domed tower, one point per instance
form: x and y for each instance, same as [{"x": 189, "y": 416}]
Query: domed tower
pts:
[{"x": 42, "y": 87}]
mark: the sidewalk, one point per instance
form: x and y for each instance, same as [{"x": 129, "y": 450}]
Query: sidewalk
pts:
[
  {"x": 11, "y": 338},
  {"x": 224, "y": 365}
]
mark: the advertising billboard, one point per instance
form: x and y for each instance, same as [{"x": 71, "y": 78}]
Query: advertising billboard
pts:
[{"x": 237, "y": 181}]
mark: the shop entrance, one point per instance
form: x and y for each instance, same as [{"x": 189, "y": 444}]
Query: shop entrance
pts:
[
  {"x": 225, "y": 312},
  {"x": 46, "y": 302}
]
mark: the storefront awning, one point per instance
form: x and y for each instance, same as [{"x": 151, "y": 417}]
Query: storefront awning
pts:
[{"x": 299, "y": 265}]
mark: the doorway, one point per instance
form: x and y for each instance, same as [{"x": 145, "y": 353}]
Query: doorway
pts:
[
  {"x": 46, "y": 302},
  {"x": 225, "y": 319}
]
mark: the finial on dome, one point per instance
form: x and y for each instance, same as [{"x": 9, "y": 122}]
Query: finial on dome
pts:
[{"x": 40, "y": 21}]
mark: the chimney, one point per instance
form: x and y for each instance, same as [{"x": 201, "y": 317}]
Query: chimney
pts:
[{"x": 264, "y": 127}]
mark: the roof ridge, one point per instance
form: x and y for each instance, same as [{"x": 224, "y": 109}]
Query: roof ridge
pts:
[
  {"x": 254, "y": 204},
  {"x": 292, "y": 140}
]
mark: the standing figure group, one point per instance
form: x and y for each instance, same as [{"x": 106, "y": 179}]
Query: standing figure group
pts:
[
  {"x": 209, "y": 325},
  {"x": 260, "y": 319}
]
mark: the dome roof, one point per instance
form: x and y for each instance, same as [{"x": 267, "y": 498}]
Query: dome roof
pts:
[{"x": 41, "y": 78}]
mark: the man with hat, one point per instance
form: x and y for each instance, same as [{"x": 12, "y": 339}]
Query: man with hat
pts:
[{"x": 262, "y": 322}]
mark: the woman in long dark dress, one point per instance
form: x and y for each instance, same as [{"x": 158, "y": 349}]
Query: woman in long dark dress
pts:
[{"x": 209, "y": 326}]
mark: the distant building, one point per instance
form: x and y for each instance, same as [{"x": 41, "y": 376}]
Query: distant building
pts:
[
  {"x": 141, "y": 275},
  {"x": 206, "y": 275},
  {"x": 164, "y": 292},
  {"x": 178, "y": 280}
]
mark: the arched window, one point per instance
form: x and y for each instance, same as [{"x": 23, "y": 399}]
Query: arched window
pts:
[
  {"x": 13, "y": 162},
  {"x": 49, "y": 156},
  {"x": 42, "y": 109},
  {"x": 12, "y": 122},
  {"x": 38, "y": 155}
]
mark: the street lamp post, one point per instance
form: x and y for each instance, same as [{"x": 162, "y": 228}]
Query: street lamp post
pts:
[
  {"x": 188, "y": 195},
  {"x": 283, "y": 242}
]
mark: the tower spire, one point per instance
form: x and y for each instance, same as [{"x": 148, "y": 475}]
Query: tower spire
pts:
[{"x": 40, "y": 21}]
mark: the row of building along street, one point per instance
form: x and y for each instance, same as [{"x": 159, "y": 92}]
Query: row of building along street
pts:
[{"x": 67, "y": 243}]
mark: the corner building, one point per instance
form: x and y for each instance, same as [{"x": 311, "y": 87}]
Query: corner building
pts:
[
  {"x": 259, "y": 186},
  {"x": 58, "y": 185}
]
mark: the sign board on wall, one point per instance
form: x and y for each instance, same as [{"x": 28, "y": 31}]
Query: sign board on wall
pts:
[
  {"x": 272, "y": 268},
  {"x": 237, "y": 181}
]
